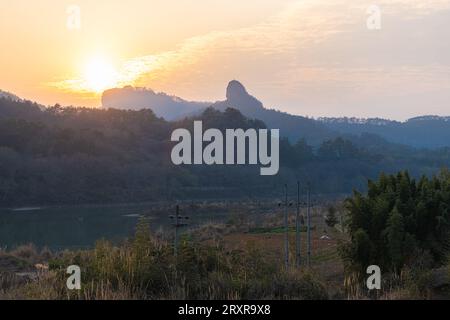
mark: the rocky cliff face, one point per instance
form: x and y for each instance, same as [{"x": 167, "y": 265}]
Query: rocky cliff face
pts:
[
  {"x": 291, "y": 126},
  {"x": 237, "y": 97}
]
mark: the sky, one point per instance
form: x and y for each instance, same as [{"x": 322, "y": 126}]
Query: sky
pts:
[{"x": 385, "y": 58}]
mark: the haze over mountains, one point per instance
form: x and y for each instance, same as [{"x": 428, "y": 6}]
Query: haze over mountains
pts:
[
  {"x": 73, "y": 155},
  {"x": 174, "y": 108},
  {"x": 4, "y": 94},
  {"x": 420, "y": 132},
  {"x": 163, "y": 105},
  {"x": 424, "y": 131}
]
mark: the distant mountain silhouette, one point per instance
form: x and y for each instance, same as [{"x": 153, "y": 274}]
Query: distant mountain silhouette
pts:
[
  {"x": 420, "y": 132},
  {"x": 237, "y": 97},
  {"x": 291, "y": 126},
  {"x": 163, "y": 105}
]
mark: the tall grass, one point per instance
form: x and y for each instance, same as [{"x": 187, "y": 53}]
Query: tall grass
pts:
[{"x": 145, "y": 268}]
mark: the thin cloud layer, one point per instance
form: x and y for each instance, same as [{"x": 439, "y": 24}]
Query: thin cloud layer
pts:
[{"x": 314, "y": 57}]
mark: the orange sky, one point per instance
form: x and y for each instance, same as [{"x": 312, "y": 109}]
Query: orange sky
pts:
[{"x": 306, "y": 57}]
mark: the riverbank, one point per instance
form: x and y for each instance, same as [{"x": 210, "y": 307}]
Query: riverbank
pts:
[{"x": 239, "y": 259}]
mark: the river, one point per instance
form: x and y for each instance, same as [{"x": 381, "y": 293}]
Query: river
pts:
[{"x": 79, "y": 227}]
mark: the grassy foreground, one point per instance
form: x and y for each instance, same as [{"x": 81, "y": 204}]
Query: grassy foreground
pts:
[{"x": 238, "y": 260}]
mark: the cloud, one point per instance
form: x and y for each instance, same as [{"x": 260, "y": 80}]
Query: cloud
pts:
[{"x": 320, "y": 46}]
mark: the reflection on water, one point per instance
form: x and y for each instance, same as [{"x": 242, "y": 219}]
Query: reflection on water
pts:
[{"x": 77, "y": 227}]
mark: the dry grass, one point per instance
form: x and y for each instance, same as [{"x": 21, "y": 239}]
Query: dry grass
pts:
[{"x": 239, "y": 259}]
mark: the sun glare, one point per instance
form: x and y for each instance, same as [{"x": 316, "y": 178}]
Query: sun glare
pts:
[{"x": 99, "y": 75}]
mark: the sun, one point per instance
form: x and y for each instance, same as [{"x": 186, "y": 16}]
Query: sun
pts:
[
  {"x": 99, "y": 75},
  {"x": 92, "y": 76}
]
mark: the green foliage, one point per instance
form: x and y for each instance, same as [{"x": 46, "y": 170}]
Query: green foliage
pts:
[
  {"x": 74, "y": 155},
  {"x": 331, "y": 219},
  {"x": 338, "y": 149},
  {"x": 398, "y": 219}
]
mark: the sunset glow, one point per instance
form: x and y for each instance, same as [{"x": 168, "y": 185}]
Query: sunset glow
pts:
[
  {"x": 214, "y": 150},
  {"x": 307, "y": 57},
  {"x": 99, "y": 75}
]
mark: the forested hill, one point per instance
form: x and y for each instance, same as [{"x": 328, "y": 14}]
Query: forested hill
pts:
[
  {"x": 78, "y": 155},
  {"x": 171, "y": 108},
  {"x": 421, "y": 132}
]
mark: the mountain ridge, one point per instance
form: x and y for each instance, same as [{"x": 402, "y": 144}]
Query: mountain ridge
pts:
[
  {"x": 427, "y": 131},
  {"x": 111, "y": 155},
  {"x": 292, "y": 126},
  {"x": 164, "y": 105}
]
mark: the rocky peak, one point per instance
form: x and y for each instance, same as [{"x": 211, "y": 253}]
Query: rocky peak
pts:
[{"x": 236, "y": 90}]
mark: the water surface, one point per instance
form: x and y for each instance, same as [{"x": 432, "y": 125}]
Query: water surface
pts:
[{"x": 81, "y": 226}]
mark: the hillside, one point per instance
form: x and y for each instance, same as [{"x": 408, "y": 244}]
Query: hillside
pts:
[
  {"x": 163, "y": 105},
  {"x": 291, "y": 126},
  {"x": 419, "y": 132},
  {"x": 173, "y": 108},
  {"x": 79, "y": 155}
]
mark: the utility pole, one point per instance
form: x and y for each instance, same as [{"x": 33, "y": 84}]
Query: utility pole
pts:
[
  {"x": 308, "y": 218},
  {"x": 286, "y": 226},
  {"x": 178, "y": 223},
  {"x": 297, "y": 230}
]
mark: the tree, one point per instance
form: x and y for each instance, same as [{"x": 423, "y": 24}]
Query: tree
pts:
[
  {"x": 396, "y": 220},
  {"x": 338, "y": 149},
  {"x": 331, "y": 219}
]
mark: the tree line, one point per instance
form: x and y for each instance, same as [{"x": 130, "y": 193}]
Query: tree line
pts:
[{"x": 71, "y": 155}]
